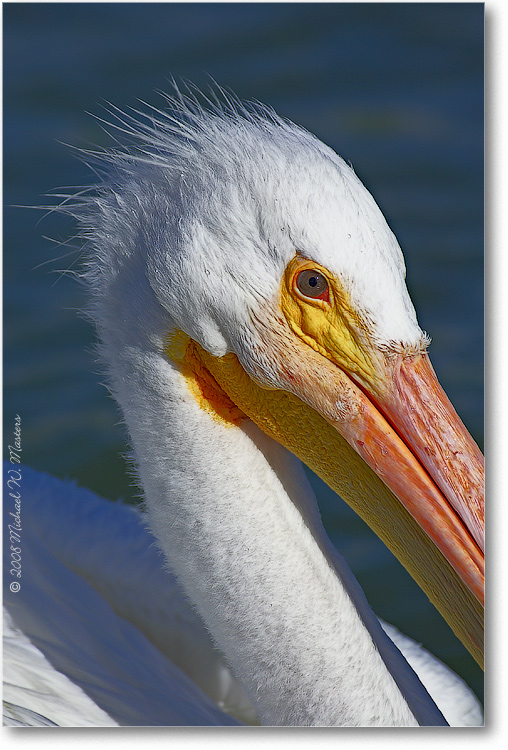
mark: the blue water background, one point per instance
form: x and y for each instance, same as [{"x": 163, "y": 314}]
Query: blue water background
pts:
[{"x": 396, "y": 89}]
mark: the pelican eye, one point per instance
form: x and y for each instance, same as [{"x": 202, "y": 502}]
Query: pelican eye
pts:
[{"x": 312, "y": 284}]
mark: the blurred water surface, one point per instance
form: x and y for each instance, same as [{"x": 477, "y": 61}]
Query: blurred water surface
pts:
[{"x": 396, "y": 89}]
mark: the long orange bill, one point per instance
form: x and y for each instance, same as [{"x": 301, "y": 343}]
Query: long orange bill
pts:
[{"x": 415, "y": 442}]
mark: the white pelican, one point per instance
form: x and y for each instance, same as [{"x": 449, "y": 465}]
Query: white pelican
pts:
[{"x": 250, "y": 299}]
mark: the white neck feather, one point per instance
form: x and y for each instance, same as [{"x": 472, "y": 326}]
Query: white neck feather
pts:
[{"x": 238, "y": 522}]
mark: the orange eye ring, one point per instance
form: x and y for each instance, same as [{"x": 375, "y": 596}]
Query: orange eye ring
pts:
[{"x": 312, "y": 283}]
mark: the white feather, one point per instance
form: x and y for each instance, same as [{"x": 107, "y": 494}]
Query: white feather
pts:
[{"x": 67, "y": 661}]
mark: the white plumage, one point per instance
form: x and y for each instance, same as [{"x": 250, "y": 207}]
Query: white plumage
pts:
[
  {"x": 102, "y": 635},
  {"x": 191, "y": 231}
]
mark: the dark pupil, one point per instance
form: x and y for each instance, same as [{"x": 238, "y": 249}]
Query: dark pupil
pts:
[{"x": 313, "y": 281}]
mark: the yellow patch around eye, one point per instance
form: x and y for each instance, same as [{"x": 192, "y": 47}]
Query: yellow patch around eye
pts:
[
  {"x": 202, "y": 385},
  {"x": 333, "y": 328}
]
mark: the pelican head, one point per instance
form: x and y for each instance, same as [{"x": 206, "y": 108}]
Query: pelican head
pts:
[{"x": 244, "y": 254}]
